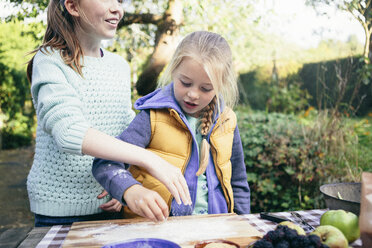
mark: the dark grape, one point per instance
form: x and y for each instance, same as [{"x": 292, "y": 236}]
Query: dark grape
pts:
[
  {"x": 285, "y": 237},
  {"x": 272, "y": 236},
  {"x": 262, "y": 243},
  {"x": 301, "y": 241},
  {"x": 290, "y": 234},
  {"x": 315, "y": 240},
  {"x": 282, "y": 244}
]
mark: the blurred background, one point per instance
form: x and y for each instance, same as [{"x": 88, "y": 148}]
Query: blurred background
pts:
[{"x": 304, "y": 78}]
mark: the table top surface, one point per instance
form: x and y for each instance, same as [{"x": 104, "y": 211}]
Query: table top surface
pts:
[{"x": 54, "y": 237}]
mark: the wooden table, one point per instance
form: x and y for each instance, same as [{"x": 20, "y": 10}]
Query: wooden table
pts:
[{"x": 53, "y": 237}]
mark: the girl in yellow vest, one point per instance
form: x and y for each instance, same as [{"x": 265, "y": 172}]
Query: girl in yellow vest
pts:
[{"x": 189, "y": 122}]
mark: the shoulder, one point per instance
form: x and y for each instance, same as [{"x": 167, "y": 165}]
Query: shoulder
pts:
[
  {"x": 115, "y": 58},
  {"x": 228, "y": 113},
  {"x": 47, "y": 55}
]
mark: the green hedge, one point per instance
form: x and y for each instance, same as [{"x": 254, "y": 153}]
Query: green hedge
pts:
[{"x": 287, "y": 161}]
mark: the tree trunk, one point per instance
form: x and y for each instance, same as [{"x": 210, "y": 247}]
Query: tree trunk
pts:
[{"x": 165, "y": 43}]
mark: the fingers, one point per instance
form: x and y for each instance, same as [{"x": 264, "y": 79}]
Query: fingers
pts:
[
  {"x": 103, "y": 194},
  {"x": 180, "y": 191},
  {"x": 151, "y": 211},
  {"x": 179, "y": 188},
  {"x": 174, "y": 191},
  {"x": 172, "y": 178},
  {"x": 146, "y": 203},
  {"x": 184, "y": 190},
  {"x": 111, "y": 206}
]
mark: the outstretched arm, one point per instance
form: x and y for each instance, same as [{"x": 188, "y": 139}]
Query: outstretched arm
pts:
[{"x": 118, "y": 181}]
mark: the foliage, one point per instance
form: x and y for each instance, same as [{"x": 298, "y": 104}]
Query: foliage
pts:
[
  {"x": 341, "y": 84},
  {"x": 17, "y": 114},
  {"x": 287, "y": 96},
  {"x": 287, "y": 157},
  {"x": 262, "y": 90}
]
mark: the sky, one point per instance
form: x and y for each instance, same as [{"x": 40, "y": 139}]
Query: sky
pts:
[
  {"x": 300, "y": 24},
  {"x": 294, "y": 21}
]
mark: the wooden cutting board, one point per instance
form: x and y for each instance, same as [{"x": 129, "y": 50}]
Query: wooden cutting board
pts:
[{"x": 185, "y": 230}]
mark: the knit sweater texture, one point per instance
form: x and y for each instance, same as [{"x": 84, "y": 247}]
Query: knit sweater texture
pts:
[{"x": 60, "y": 182}]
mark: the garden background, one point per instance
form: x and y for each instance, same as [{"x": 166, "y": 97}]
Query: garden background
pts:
[{"x": 304, "y": 113}]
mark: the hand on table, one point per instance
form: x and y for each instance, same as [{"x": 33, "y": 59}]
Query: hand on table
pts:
[
  {"x": 111, "y": 206},
  {"x": 146, "y": 203}
]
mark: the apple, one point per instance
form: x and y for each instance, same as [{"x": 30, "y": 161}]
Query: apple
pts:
[
  {"x": 346, "y": 222},
  {"x": 293, "y": 226},
  {"x": 331, "y": 236}
]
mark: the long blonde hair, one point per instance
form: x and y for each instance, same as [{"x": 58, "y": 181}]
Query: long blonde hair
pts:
[
  {"x": 60, "y": 35},
  {"x": 213, "y": 52}
]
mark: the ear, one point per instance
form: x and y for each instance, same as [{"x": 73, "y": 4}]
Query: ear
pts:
[{"x": 72, "y": 8}]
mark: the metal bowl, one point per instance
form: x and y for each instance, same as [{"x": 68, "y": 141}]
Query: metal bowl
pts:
[{"x": 344, "y": 196}]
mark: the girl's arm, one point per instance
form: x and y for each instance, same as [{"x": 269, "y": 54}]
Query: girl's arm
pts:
[
  {"x": 114, "y": 177},
  {"x": 239, "y": 182},
  {"x": 101, "y": 145}
]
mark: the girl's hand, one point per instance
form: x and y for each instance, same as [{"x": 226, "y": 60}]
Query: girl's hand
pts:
[
  {"x": 146, "y": 203},
  {"x": 172, "y": 178},
  {"x": 111, "y": 206}
]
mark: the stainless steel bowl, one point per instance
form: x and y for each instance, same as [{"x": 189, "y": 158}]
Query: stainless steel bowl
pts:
[{"x": 344, "y": 196}]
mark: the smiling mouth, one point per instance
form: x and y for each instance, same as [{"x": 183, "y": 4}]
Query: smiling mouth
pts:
[{"x": 112, "y": 21}]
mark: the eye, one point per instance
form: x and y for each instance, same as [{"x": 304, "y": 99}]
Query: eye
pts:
[
  {"x": 206, "y": 88},
  {"x": 185, "y": 83}
]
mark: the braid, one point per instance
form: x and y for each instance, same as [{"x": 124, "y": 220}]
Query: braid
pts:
[
  {"x": 205, "y": 125},
  {"x": 206, "y": 120}
]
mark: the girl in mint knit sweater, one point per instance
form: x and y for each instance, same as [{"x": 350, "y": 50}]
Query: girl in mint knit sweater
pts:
[{"x": 82, "y": 97}]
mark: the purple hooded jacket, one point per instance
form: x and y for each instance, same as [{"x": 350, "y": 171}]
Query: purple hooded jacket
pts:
[{"x": 115, "y": 179}]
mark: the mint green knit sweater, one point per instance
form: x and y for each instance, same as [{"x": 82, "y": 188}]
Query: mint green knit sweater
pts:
[{"x": 60, "y": 182}]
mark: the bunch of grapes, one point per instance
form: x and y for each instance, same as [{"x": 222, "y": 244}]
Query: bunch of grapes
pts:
[{"x": 285, "y": 237}]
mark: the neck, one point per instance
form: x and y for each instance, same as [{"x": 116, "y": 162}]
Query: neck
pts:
[{"x": 90, "y": 46}]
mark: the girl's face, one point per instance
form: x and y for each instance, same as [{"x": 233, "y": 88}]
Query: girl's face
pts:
[
  {"x": 192, "y": 87},
  {"x": 101, "y": 18}
]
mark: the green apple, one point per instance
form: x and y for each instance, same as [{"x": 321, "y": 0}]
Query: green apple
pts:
[
  {"x": 346, "y": 222},
  {"x": 293, "y": 226},
  {"x": 331, "y": 236}
]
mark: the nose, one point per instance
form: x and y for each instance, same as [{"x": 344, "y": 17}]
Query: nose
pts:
[
  {"x": 192, "y": 94},
  {"x": 116, "y": 6}
]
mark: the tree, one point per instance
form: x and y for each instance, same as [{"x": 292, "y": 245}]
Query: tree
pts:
[
  {"x": 361, "y": 10},
  {"x": 166, "y": 37},
  {"x": 16, "y": 112}
]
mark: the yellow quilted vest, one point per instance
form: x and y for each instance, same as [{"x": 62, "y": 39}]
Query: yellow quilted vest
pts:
[{"x": 171, "y": 140}]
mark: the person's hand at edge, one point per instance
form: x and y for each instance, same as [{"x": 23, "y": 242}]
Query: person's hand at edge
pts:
[{"x": 111, "y": 206}]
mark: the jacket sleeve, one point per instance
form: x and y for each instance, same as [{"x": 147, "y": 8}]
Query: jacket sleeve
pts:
[
  {"x": 113, "y": 176},
  {"x": 239, "y": 182}
]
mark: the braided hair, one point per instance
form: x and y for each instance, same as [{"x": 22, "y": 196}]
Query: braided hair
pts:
[{"x": 205, "y": 125}]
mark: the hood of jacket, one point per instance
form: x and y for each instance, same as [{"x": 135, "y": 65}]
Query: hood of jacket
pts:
[
  {"x": 159, "y": 99},
  {"x": 162, "y": 98}
]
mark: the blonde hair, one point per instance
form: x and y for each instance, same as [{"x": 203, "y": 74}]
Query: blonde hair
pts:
[
  {"x": 213, "y": 52},
  {"x": 60, "y": 35}
]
